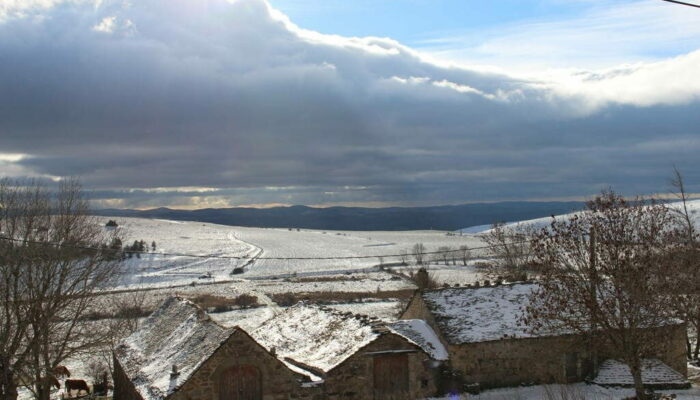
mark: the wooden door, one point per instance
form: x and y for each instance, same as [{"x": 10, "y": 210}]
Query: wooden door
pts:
[
  {"x": 571, "y": 366},
  {"x": 391, "y": 377},
  {"x": 240, "y": 383}
]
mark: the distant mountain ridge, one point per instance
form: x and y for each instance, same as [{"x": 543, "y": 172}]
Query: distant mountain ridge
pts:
[{"x": 359, "y": 218}]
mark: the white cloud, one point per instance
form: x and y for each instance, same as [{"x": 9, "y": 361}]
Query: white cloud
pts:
[
  {"x": 107, "y": 25},
  {"x": 608, "y": 33},
  {"x": 668, "y": 82}
]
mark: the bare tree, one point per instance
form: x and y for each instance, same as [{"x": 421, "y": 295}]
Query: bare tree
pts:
[
  {"x": 403, "y": 257},
  {"x": 687, "y": 285},
  {"x": 602, "y": 277},
  {"x": 465, "y": 254},
  {"x": 444, "y": 254},
  {"x": 419, "y": 253},
  {"x": 453, "y": 256},
  {"x": 54, "y": 256},
  {"x": 511, "y": 249},
  {"x": 127, "y": 309}
]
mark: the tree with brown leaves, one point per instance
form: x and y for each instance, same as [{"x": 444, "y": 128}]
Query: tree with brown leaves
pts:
[{"x": 604, "y": 275}]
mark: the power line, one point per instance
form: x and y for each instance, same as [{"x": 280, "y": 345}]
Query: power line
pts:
[
  {"x": 260, "y": 258},
  {"x": 682, "y": 3}
]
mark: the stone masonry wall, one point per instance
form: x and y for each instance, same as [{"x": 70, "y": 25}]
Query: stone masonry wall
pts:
[
  {"x": 670, "y": 347},
  {"x": 278, "y": 382},
  {"x": 123, "y": 388},
  {"x": 416, "y": 309},
  {"x": 354, "y": 378},
  {"x": 511, "y": 362}
]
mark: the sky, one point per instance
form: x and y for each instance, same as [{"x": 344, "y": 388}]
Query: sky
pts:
[{"x": 221, "y": 103}]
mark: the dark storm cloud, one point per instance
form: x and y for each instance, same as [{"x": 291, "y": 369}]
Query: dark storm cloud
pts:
[{"x": 165, "y": 94}]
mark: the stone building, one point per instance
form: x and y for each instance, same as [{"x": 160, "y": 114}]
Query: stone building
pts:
[
  {"x": 488, "y": 345},
  {"x": 181, "y": 353},
  {"x": 305, "y": 352},
  {"x": 355, "y": 357}
]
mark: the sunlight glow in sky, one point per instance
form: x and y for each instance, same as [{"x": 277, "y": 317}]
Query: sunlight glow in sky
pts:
[{"x": 196, "y": 103}]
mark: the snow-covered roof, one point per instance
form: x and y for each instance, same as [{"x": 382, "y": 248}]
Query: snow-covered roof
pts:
[
  {"x": 654, "y": 373},
  {"x": 420, "y": 333},
  {"x": 178, "y": 333},
  {"x": 468, "y": 315},
  {"x": 315, "y": 336}
]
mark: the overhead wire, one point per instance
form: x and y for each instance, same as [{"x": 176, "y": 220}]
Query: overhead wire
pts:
[{"x": 682, "y": 3}]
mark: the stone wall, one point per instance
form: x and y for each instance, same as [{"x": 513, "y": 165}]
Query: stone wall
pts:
[
  {"x": 511, "y": 362},
  {"x": 277, "y": 381},
  {"x": 123, "y": 388},
  {"x": 354, "y": 378},
  {"x": 669, "y": 346},
  {"x": 416, "y": 309}
]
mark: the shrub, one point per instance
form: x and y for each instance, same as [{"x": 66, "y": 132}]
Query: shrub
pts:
[
  {"x": 423, "y": 279},
  {"x": 331, "y": 297},
  {"x": 246, "y": 301},
  {"x": 217, "y": 304}
]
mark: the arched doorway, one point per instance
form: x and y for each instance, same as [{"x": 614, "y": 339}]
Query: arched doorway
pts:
[{"x": 241, "y": 382}]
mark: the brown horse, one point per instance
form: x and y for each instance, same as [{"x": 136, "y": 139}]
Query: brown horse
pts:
[
  {"x": 52, "y": 381},
  {"x": 60, "y": 371},
  {"x": 76, "y": 384}
]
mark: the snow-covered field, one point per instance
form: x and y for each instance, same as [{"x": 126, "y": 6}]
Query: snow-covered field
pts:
[
  {"x": 254, "y": 245},
  {"x": 175, "y": 237},
  {"x": 311, "y": 243}
]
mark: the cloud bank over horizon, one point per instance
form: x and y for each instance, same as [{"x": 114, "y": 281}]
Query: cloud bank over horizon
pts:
[{"x": 213, "y": 103}]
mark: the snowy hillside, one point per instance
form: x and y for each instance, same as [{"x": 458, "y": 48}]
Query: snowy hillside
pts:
[
  {"x": 538, "y": 223},
  {"x": 157, "y": 269}
]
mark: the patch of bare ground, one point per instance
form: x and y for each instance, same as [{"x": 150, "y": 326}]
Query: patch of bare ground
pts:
[
  {"x": 331, "y": 297},
  {"x": 323, "y": 279},
  {"x": 216, "y": 304}
]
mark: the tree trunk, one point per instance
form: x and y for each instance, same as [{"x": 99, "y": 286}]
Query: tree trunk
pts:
[
  {"x": 688, "y": 347},
  {"x": 43, "y": 391},
  {"x": 8, "y": 386},
  {"x": 636, "y": 369},
  {"x": 696, "y": 354}
]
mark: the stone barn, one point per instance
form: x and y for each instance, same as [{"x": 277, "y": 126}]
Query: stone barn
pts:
[
  {"x": 181, "y": 353},
  {"x": 354, "y": 357},
  {"x": 305, "y": 352},
  {"x": 488, "y": 346}
]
